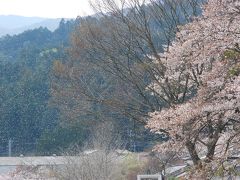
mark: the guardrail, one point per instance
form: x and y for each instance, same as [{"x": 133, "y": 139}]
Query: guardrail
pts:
[{"x": 146, "y": 176}]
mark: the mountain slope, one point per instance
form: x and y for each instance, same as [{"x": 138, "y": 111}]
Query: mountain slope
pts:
[{"x": 17, "y": 24}]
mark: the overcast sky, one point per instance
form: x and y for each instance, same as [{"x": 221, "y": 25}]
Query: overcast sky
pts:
[{"x": 45, "y": 8}]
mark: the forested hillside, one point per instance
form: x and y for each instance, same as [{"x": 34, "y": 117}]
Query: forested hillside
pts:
[
  {"x": 11, "y": 25},
  {"x": 26, "y": 62},
  {"x": 57, "y": 86}
]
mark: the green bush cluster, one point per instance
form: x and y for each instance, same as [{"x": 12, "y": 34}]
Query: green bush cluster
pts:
[
  {"x": 231, "y": 54},
  {"x": 235, "y": 71}
]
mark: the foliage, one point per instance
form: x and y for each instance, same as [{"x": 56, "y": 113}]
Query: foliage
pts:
[
  {"x": 98, "y": 160},
  {"x": 205, "y": 125},
  {"x": 105, "y": 78},
  {"x": 131, "y": 163},
  {"x": 25, "y": 66},
  {"x": 59, "y": 139}
]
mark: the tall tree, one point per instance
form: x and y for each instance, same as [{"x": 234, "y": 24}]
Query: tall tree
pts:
[
  {"x": 204, "y": 60},
  {"x": 112, "y": 60}
]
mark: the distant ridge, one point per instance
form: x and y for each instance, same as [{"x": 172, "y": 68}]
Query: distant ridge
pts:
[{"x": 11, "y": 24}]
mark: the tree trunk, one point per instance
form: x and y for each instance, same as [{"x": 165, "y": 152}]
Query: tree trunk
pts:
[
  {"x": 193, "y": 153},
  {"x": 211, "y": 147},
  {"x": 210, "y": 153}
]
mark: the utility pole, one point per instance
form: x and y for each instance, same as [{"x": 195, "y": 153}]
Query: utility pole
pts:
[
  {"x": 132, "y": 140},
  {"x": 10, "y": 147}
]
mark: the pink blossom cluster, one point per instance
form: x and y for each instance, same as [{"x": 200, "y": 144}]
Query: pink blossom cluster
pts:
[{"x": 204, "y": 56}]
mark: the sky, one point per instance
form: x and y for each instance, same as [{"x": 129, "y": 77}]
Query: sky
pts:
[{"x": 46, "y": 8}]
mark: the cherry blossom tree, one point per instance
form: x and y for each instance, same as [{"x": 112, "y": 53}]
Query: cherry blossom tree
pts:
[{"x": 203, "y": 64}]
